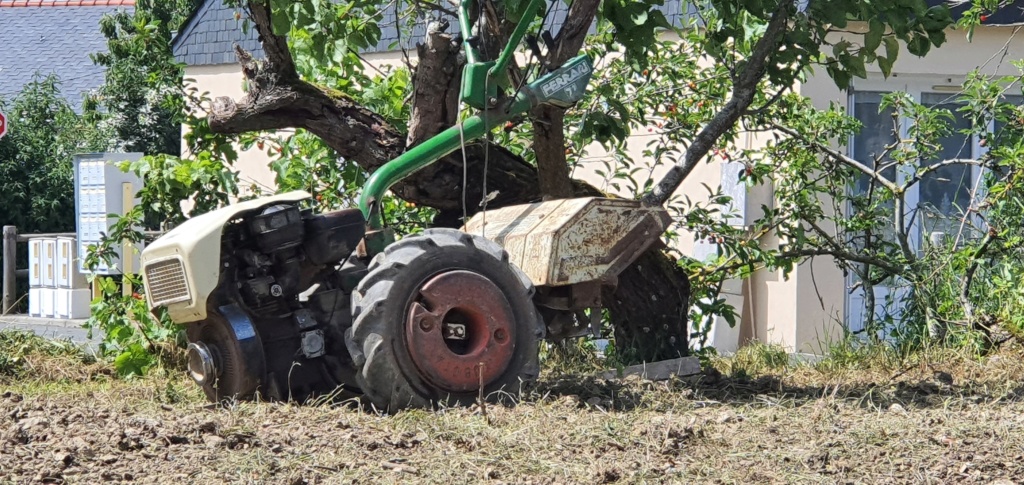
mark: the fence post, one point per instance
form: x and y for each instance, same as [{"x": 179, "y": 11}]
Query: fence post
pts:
[{"x": 10, "y": 284}]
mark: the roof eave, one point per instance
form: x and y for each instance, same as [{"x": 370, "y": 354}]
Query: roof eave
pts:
[{"x": 188, "y": 25}]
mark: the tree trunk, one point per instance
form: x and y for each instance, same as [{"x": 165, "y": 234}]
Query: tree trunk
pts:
[
  {"x": 549, "y": 145},
  {"x": 648, "y": 308}
]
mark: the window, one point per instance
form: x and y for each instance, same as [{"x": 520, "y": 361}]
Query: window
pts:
[
  {"x": 941, "y": 199},
  {"x": 944, "y": 194},
  {"x": 876, "y": 132},
  {"x": 935, "y": 204}
]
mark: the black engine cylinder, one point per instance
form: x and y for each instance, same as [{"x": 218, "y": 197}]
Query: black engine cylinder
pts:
[
  {"x": 331, "y": 237},
  {"x": 278, "y": 227}
]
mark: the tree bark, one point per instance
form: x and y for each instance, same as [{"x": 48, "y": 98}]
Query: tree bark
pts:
[
  {"x": 549, "y": 146},
  {"x": 649, "y": 306},
  {"x": 435, "y": 96},
  {"x": 549, "y": 121}
]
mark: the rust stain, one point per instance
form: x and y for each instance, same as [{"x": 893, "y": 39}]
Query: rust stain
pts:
[
  {"x": 576, "y": 240},
  {"x": 468, "y": 299}
]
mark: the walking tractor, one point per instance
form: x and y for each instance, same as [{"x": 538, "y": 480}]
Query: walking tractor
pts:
[{"x": 283, "y": 303}]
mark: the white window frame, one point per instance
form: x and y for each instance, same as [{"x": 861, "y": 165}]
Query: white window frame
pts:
[{"x": 916, "y": 86}]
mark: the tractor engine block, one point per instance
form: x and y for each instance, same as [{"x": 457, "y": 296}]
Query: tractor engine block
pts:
[{"x": 286, "y": 277}]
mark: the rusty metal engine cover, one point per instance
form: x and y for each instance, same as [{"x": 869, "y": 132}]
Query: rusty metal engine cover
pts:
[{"x": 569, "y": 241}]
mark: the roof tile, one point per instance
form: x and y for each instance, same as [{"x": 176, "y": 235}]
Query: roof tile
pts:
[
  {"x": 66, "y": 3},
  {"x": 55, "y": 39}
]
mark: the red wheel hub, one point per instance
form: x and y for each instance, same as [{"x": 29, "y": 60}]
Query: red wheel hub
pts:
[{"x": 460, "y": 330}]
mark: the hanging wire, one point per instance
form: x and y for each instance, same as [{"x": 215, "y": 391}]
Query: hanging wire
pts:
[
  {"x": 465, "y": 164},
  {"x": 534, "y": 60},
  {"x": 485, "y": 197},
  {"x": 487, "y": 138}
]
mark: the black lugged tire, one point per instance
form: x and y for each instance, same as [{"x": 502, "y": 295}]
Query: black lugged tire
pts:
[{"x": 386, "y": 372}]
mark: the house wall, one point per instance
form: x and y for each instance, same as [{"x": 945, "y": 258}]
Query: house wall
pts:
[
  {"x": 227, "y": 80},
  {"x": 801, "y": 311},
  {"x": 820, "y": 289}
]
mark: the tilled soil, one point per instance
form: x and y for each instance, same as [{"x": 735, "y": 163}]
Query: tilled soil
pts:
[{"x": 961, "y": 423}]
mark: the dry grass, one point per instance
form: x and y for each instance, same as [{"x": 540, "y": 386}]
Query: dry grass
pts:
[{"x": 938, "y": 417}]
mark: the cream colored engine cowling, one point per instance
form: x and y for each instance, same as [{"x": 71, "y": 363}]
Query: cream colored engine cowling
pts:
[
  {"x": 182, "y": 268},
  {"x": 570, "y": 241}
]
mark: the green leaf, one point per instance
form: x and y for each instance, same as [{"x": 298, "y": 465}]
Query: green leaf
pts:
[
  {"x": 919, "y": 45},
  {"x": 280, "y": 22},
  {"x": 873, "y": 37},
  {"x": 855, "y": 64},
  {"x": 892, "y": 49},
  {"x": 885, "y": 64},
  {"x": 841, "y": 47}
]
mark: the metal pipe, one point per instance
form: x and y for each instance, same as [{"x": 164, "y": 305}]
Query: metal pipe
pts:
[
  {"x": 431, "y": 151},
  {"x": 472, "y": 54},
  {"x": 513, "y": 42}
]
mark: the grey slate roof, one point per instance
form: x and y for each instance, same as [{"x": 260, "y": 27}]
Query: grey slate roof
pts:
[
  {"x": 1010, "y": 12},
  {"x": 209, "y": 35},
  {"x": 52, "y": 40}
]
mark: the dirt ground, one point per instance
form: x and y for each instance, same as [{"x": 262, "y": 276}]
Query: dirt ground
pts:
[{"x": 909, "y": 422}]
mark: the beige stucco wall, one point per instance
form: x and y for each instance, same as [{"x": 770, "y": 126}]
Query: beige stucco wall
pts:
[
  {"x": 800, "y": 311},
  {"x": 820, "y": 287},
  {"x": 227, "y": 80}
]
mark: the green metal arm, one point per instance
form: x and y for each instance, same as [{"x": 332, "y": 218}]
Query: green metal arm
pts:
[
  {"x": 563, "y": 87},
  {"x": 472, "y": 54},
  {"x": 481, "y": 79},
  {"x": 428, "y": 152},
  {"x": 498, "y": 69}
]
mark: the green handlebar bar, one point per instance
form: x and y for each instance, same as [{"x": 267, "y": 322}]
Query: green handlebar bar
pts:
[
  {"x": 430, "y": 151},
  {"x": 517, "y": 36},
  {"x": 473, "y": 54},
  {"x": 562, "y": 88}
]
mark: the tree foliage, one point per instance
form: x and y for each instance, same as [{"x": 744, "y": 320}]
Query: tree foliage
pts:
[
  {"x": 36, "y": 182},
  {"x": 141, "y": 99},
  {"x": 44, "y": 133}
]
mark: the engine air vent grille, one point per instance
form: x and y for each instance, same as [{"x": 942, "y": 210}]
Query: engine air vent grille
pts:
[{"x": 166, "y": 282}]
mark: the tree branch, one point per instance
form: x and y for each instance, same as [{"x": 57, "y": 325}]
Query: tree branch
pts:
[
  {"x": 436, "y": 7},
  {"x": 573, "y": 32},
  {"x": 278, "y": 99},
  {"x": 274, "y": 46},
  {"x": 965, "y": 289},
  {"x": 744, "y": 89},
  {"x": 945, "y": 163},
  {"x": 435, "y": 82},
  {"x": 838, "y": 156},
  {"x": 811, "y": 252}
]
